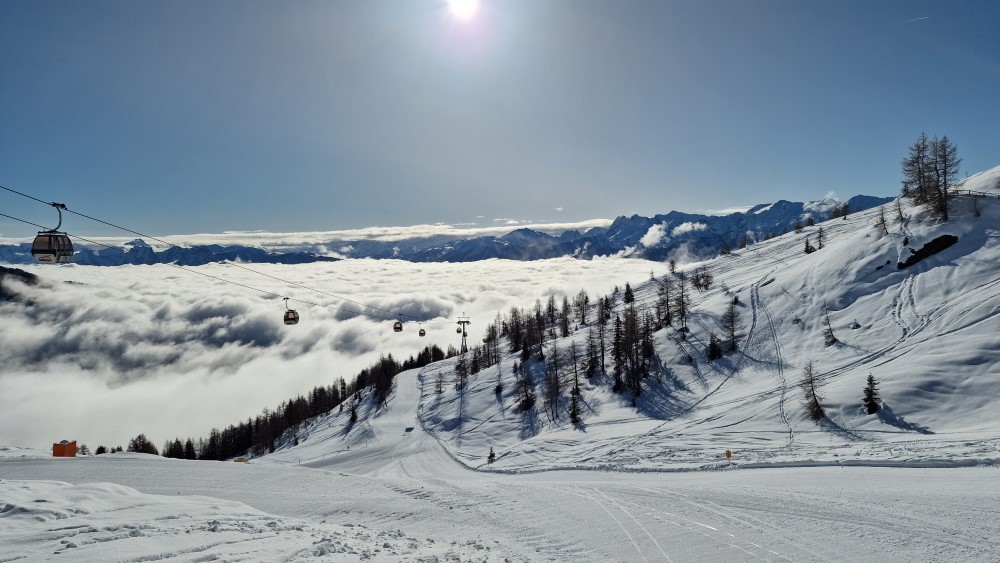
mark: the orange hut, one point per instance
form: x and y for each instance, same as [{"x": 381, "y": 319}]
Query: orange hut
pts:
[{"x": 64, "y": 449}]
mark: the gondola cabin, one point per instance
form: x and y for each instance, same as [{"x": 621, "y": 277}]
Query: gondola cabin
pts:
[
  {"x": 291, "y": 317},
  {"x": 51, "y": 247},
  {"x": 422, "y": 332},
  {"x": 397, "y": 326},
  {"x": 458, "y": 330}
]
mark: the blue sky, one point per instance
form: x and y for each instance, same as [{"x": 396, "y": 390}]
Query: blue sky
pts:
[{"x": 194, "y": 117}]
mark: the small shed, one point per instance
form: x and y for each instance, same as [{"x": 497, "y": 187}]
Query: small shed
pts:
[{"x": 64, "y": 449}]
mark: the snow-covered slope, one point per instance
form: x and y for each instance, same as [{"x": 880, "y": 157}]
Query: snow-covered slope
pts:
[{"x": 926, "y": 332}]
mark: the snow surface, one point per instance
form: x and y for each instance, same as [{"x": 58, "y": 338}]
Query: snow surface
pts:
[
  {"x": 410, "y": 481},
  {"x": 400, "y": 496}
]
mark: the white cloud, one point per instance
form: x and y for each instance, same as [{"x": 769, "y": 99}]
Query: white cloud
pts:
[
  {"x": 654, "y": 235},
  {"x": 688, "y": 227},
  {"x": 559, "y": 209},
  {"x": 170, "y": 353}
]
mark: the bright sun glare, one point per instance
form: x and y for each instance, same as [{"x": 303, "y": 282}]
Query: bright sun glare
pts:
[{"x": 463, "y": 10}]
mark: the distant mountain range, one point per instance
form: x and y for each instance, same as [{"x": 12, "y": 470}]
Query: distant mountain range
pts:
[{"x": 685, "y": 235}]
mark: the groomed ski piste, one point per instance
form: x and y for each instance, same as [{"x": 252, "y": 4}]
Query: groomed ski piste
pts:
[{"x": 409, "y": 481}]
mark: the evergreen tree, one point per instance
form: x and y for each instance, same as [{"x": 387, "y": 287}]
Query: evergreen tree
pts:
[
  {"x": 731, "y": 322},
  {"x": 574, "y": 362},
  {"x": 812, "y": 401},
  {"x": 526, "y": 387},
  {"x": 871, "y": 400},
  {"x": 189, "y": 452},
  {"x": 618, "y": 354},
  {"x": 574, "y": 409},
  {"x": 714, "y": 350},
  {"x": 593, "y": 354},
  {"x": 550, "y": 309},
  {"x": 820, "y": 238},
  {"x": 492, "y": 457},
  {"x": 141, "y": 444},
  {"x": 564, "y": 318},
  {"x": 580, "y": 304},
  {"x": 629, "y": 297},
  {"x": 663, "y": 292},
  {"x": 100, "y": 450},
  {"x": 682, "y": 302},
  {"x": 809, "y": 247}
]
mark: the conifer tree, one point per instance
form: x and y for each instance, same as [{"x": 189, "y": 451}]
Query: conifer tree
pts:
[
  {"x": 580, "y": 303},
  {"x": 618, "y": 354},
  {"x": 880, "y": 224},
  {"x": 871, "y": 400},
  {"x": 828, "y": 337},
  {"x": 946, "y": 166},
  {"x": 526, "y": 387},
  {"x": 812, "y": 401},
  {"x": 714, "y": 350},
  {"x": 918, "y": 174},
  {"x": 564, "y": 318},
  {"x": 731, "y": 322},
  {"x": 663, "y": 305},
  {"x": 629, "y": 297},
  {"x": 682, "y": 302},
  {"x": 189, "y": 452}
]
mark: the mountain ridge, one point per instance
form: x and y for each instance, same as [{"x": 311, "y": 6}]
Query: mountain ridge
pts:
[{"x": 690, "y": 236}]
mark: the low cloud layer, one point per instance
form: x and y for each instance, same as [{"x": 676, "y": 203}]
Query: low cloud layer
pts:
[
  {"x": 313, "y": 240},
  {"x": 100, "y": 354}
]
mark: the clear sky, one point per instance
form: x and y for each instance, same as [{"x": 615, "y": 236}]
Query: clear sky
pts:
[{"x": 186, "y": 116}]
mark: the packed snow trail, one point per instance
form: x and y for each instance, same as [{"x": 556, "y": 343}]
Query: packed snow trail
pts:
[
  {"x": 413, "y": 501},
  {"x": 273, "y": 512},
  {"x": 398, "y": 447}
]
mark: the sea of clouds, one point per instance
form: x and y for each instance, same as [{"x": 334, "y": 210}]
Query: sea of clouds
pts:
[{"x": 100, "y": 354}]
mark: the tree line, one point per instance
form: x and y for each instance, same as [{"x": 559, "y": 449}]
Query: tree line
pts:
[
  {"x": 619, "y": 335},
  {"x": 259, "y": 435}
]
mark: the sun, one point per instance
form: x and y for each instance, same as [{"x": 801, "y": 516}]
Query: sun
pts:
[{"x": 463, "y": 10}]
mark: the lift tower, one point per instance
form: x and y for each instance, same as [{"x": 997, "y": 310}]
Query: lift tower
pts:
[{"x": 463, "y": 323}]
